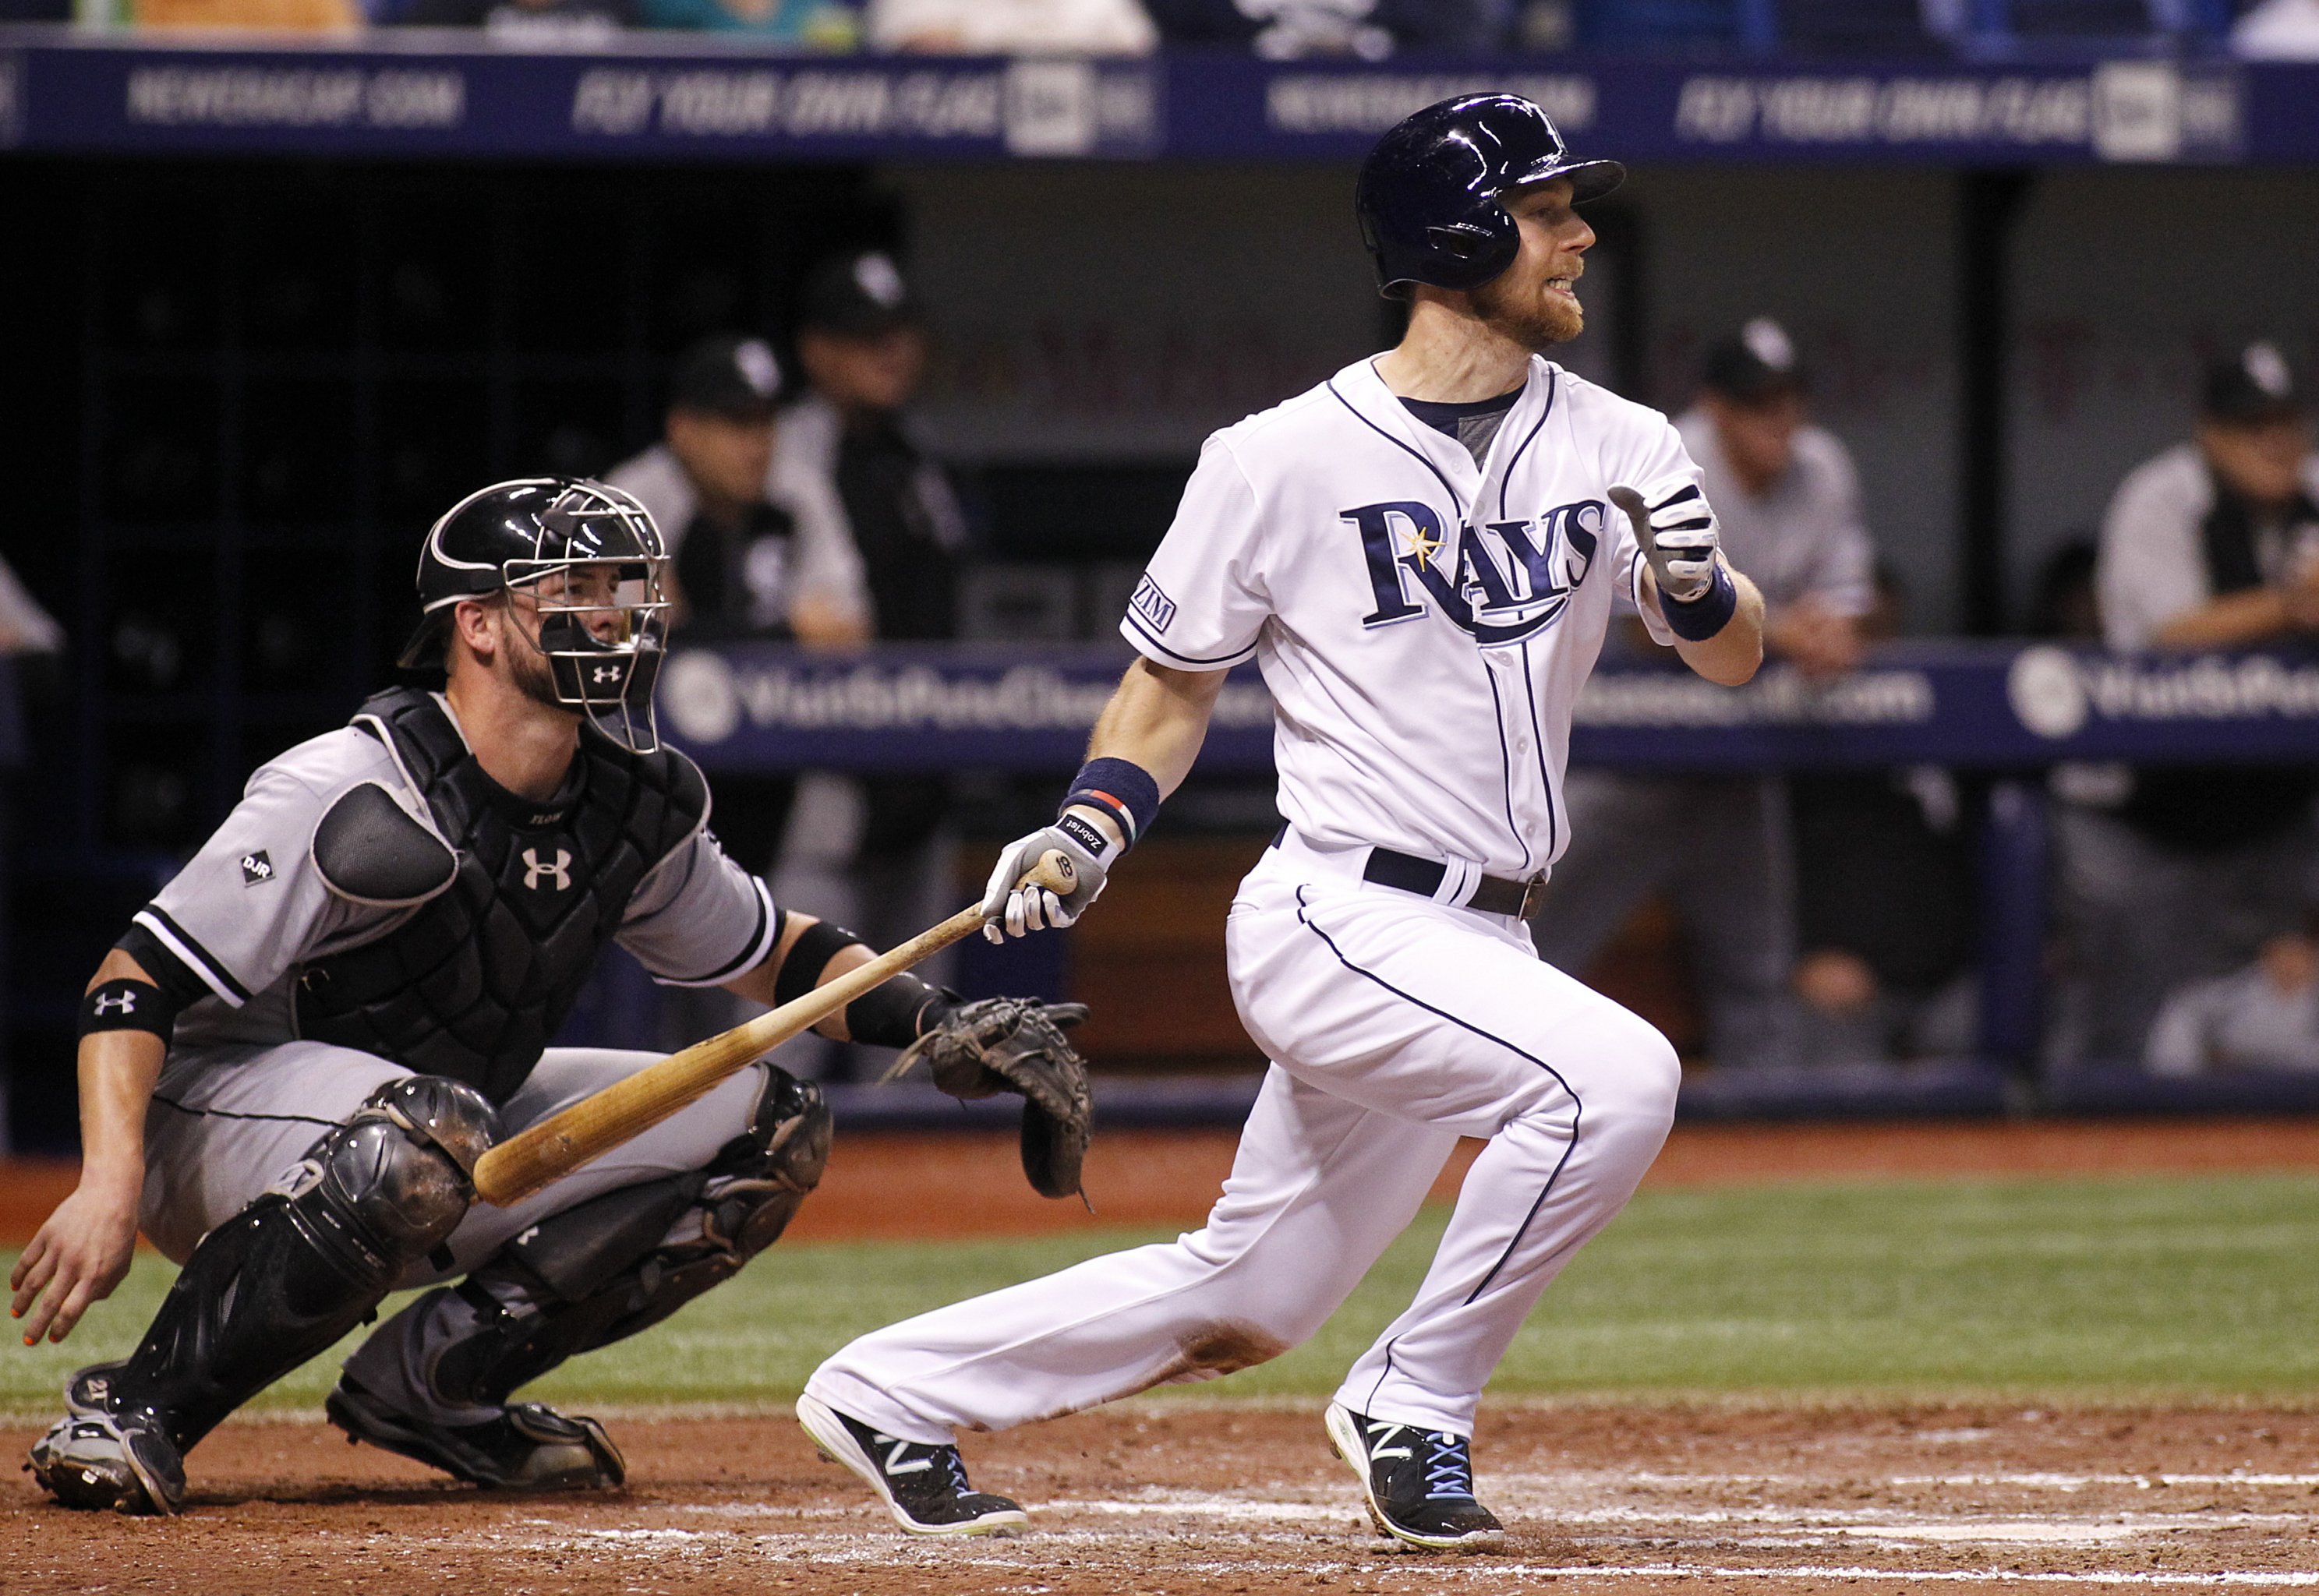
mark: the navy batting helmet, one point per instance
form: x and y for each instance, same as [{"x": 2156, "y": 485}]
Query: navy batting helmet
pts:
[{"x": 1428, "y": 197}]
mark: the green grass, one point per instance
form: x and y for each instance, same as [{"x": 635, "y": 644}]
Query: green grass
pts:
[{"x": 2091, "y": 1290}]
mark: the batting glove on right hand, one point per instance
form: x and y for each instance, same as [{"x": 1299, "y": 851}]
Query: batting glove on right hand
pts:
[
  {"x": 1678, "y": 537},
  {"x": 1024, "y": 909}
]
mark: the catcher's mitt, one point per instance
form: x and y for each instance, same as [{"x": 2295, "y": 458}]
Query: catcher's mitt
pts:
[{"x": 1016, "y": 1044}]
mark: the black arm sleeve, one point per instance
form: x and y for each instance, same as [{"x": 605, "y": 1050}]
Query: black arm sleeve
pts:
[{"x": 892, "y": 1015}]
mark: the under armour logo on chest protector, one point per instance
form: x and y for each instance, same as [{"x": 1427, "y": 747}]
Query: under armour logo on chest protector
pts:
[{"x": 559, "y": 870}]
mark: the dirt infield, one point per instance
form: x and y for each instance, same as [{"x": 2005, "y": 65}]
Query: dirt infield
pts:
[
  {"x": 1152, "y": 1497},
  {"x": 1170, "y": 1498},
  {"x": 910, "y": 1186}
]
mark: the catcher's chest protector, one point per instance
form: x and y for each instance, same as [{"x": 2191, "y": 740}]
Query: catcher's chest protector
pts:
[{"x": 476, "y": 981}]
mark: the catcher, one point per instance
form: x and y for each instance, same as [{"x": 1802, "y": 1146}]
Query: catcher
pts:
[{"x": 292, "y": 1060}]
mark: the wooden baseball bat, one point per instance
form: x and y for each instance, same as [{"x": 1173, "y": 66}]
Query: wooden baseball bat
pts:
[{"x": 557, "y": 1145}]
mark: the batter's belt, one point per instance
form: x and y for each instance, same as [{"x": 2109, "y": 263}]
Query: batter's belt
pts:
[{"x": 1466, "y": 885}]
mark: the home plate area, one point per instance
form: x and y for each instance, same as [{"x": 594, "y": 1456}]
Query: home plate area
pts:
[{"x": 1170, "y": 1496}]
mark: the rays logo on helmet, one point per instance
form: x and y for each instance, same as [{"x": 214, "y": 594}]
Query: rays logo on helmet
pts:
[{"x": 1499, "y": 584}]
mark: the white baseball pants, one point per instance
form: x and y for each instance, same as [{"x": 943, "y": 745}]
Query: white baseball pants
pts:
[{"x": 1396, "y": 1025}]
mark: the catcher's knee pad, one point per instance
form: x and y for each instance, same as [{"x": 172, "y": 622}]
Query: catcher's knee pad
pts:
[
  {"x": 626, "y": 1259},
  {"x": 396, "y": 1178},
  {"x": 304, "y": 1264}
]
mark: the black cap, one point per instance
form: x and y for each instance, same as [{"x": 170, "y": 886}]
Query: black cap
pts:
[
  {"x": 1757, "y": 362},
  {"x": 735, "y": 377},
  {"x": 860, "y": 295},
  {"x": 2251, "y": 387}
]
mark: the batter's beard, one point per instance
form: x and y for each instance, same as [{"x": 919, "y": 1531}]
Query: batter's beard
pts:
[{"x": 1537, "y": 321}]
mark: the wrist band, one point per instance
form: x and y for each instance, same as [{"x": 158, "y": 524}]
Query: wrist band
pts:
[
  {"x": 127, "y": 1004},
  {"x": 899, "y": 1012},
  {"x": 890, "y": 1014},
  {"x": 1121, "y": 788},
  {"x": 816, "y": 946},
  {"x": 1695, "y": 620}
]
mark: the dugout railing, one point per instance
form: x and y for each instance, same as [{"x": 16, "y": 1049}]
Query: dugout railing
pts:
[{"x": 2010, "y": 712}]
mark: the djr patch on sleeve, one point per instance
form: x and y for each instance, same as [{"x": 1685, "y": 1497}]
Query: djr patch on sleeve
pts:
[{"x": 1152, "y": 604}]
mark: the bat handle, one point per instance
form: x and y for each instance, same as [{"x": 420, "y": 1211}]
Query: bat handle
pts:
[{"x": 1053, "y": 872}]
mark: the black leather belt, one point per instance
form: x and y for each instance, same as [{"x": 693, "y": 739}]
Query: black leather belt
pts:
[{"x": 1493, "y": 895}]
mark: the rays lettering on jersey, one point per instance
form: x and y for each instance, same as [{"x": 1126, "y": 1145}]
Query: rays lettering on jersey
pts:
[{"x": 1500, "y": 583}]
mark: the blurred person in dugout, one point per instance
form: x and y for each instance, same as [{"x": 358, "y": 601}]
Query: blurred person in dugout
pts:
[
  {"x": 757, "y": 543},
  {"x": 1886, "y": 910},
  {"x": 28, "y": 633},
  {"x": 2172, "y": 876},
  {"x": 873, "y": 850},
  {"x": 1789, "y": 500}
]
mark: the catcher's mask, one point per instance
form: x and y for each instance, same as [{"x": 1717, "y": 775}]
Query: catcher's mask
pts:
[{"x": 586, "y": 557}]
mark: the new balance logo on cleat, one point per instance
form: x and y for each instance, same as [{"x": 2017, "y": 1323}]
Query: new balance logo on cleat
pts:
[
  {"x": 1419, "y": 1483},
  {"x": 924, "y": 1486}
]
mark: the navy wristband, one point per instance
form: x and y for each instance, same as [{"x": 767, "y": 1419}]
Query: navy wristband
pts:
[
  {"x": 1695, "y": 620},
  {"x": 1121, "y": 788}
]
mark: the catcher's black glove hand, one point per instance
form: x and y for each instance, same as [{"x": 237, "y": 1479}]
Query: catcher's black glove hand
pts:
[{"x": 1016, "y": 1044}]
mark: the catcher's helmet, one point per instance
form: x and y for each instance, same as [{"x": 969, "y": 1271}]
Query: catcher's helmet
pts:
[
  {"x": 584, "y": 551},
  {"x": 1428, "y": 196}
]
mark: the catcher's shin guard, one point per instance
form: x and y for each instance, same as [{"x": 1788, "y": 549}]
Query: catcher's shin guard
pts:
[
  {"x": 594, "y": 1274},
  {"x": 268, "y": 1289}
]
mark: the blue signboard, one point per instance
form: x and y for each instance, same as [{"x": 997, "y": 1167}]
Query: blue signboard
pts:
[
  {"x": 412, "y": 94},
  {"x": 1994, "y": 707}
]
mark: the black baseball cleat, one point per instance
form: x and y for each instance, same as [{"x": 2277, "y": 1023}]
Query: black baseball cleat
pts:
[
  {"x": 526, "y": 1448},
  {"x": 96, "y": 1457},
  {"x": 924, "y": 1487},
  {"x": 1419, "y": 1483}
]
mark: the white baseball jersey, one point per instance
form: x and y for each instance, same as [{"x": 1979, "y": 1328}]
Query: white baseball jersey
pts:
[{"x": 1424, "y": 622}]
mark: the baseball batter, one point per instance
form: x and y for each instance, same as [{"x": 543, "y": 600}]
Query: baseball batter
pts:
[
  {"x": 292, "y": 1060},
  {"x": 1421, "y": 553}
]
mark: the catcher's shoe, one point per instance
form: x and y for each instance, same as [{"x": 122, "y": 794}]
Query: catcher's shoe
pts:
[
  {"x": 924, "y": 1487},
  {"x": 526, "y": 1448},
  {"x": 96, "y": 1458},
  {"x": 1419, "y": 1483}
]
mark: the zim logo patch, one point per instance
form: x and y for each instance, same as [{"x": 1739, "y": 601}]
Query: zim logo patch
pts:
[
  {"x": 256, "y": 867},
  {"x": 1152, "y": 604}
]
